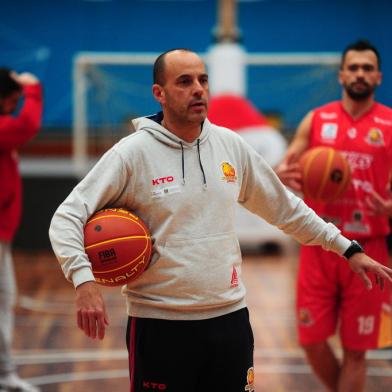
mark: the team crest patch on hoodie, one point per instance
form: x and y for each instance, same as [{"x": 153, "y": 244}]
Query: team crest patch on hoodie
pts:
[{"x": 228, "y": 170}]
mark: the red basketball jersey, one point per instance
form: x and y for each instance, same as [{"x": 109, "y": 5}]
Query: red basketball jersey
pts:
[{"x": 367, "y": 144}]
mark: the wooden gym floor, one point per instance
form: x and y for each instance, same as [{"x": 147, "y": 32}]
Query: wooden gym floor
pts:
[{"x": 51, "y": 351}]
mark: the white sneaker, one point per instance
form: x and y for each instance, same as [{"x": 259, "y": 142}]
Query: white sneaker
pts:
[{"x": 13, "y": 383}]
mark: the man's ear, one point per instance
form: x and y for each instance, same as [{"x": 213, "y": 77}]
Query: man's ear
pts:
[
  {"x": 340, "y": 77},
  {"x": 158, "y": 93},
  {"x": 379, "y": 79}
]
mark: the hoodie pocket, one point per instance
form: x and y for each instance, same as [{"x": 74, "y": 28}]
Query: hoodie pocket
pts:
[{"x": 200, "y": 269}]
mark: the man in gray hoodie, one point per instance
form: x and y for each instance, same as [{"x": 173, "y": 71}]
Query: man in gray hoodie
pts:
[{"x": 188, "y": 327}]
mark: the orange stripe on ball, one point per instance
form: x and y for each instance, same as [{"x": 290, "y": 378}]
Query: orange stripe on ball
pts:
[
  {"x": 117, "y": 239},
  {"x": 326, "y": 173},
  {"x": 91, "y": 220}
]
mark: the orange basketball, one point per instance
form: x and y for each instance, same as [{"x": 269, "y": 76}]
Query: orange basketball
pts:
[
  {"x": 118, "y": 245},
  {"x": 326, "y": 174}
]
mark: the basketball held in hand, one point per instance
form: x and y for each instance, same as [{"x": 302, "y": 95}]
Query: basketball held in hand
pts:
[
  {"x": 326, "y": 174},
  {"x": 118, "y": 245}
]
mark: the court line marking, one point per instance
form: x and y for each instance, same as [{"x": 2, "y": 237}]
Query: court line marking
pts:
[
  {"x": 382, "y": 354},
  {"x": 78, "y": 376},
  {"x": 54, "y": 307},
  {"x": 305, "y": 369},
  {"x": 28, "y": 357},
  {"x": 59, "y": 356},
  {"x": 124, "y": 373}
]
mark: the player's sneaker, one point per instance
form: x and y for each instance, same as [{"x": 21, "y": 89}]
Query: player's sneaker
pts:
[{"x": 13, "y": 383}]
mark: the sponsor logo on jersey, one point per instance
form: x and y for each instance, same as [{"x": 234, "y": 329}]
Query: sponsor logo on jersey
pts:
[
  {"x": 352, "y": 133},
  {"x": 328, "y": 116},
  {"x": 329, "y": 131},
  {"x": 358, "y": 160},
  {"x": 375, "y": 137},
  {"x": 250, "y": 379},
  {"x": 382, "y": 121},
  {"x": 365, "y": 185},
  {"x": 357, "y": 225},
  {"x": 228, "y": 172}
]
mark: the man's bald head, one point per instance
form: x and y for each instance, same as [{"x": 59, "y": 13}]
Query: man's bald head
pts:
[{"x": 160, "y": 62}]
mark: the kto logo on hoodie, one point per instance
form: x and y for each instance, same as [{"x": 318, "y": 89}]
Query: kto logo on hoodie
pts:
[
  {"x": 166, "y": 187},
  {"x": 228, "y": 172},
  {"x": 162, "y": 180}
]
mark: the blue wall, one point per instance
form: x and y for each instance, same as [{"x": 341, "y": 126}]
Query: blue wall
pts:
[{"x": 42, "y": 36}]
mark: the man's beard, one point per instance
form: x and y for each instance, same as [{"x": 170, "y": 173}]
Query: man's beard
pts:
[{"x": 359, "y": 95}]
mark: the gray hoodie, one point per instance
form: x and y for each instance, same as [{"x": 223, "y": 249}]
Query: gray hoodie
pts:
[{"x": 186, "y": 194}]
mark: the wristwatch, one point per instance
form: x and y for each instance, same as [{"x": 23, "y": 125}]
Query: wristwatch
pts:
[{"x": 355, "y": 247}]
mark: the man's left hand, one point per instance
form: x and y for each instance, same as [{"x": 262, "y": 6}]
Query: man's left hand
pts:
[{"x": 361, "y": 264}]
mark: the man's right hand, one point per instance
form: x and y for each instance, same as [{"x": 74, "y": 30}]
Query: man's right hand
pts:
[
  {"x": 91, "y": 314},
  {"x": 289, "y": 173},
  {"x": 25, "y": 78}
]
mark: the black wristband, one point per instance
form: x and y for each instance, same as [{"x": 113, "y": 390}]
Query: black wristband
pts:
[{"x": 355, "y": 247}]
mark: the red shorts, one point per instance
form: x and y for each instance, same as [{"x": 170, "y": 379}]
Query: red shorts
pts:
[{"x": 330, "y": 294}]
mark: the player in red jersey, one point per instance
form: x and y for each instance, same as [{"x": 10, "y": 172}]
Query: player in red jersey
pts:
[
  {"x": 18, "y": 124},
  {"x": 361, "y": 129}
]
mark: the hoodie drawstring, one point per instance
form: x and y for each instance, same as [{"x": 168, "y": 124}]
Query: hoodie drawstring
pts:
[
  {"x": 201, "y": 165},
  {"x": 182, "y": 163}
]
